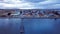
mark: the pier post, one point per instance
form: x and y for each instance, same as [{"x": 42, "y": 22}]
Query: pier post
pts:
[{"x": 22, "y": 27}]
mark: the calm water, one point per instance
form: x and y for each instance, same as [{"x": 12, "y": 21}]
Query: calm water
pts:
[{"x": 31, "y": 26}]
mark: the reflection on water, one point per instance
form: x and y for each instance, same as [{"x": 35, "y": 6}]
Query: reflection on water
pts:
[
  {"x": 31, "y": 26},
  {"x": 9, "y": 26},
  {"x": 41, "y": 26}
]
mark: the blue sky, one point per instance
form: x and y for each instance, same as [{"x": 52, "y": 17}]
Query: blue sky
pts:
[{"x": 29, "y": 4}]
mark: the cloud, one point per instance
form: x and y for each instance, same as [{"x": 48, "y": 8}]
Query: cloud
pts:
[
  {"x": 34, "y": 1},
  {"x": 57, "y": 6},
  {"x": 16, "y": 4},
  {"x": 28, "y": 4}
]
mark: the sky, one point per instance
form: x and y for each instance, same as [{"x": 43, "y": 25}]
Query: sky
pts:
[{"x": 29, "y": 4}]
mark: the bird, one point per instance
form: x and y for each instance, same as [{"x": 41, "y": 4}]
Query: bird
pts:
[
  {"x": 55, "y": 18},
  {"x": 9, "y": 14}
]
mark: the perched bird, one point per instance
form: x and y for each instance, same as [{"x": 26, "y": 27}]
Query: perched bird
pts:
[
  {"x": 9, "y": 14},
  {"x": 55, "y": 18},
  {"x": 20, "y": 12},
  {"x": 56, "y": 13}
]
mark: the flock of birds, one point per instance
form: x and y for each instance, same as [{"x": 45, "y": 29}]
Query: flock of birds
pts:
[
  {"x": 40, "y": 14},
  {"x": 36, "y": 14}
]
